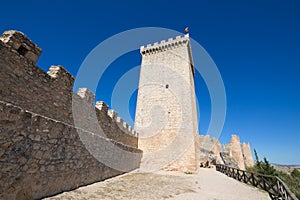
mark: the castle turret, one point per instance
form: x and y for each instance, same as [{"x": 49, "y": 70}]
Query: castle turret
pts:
[
  {"x": 235, "y": 150},
  {"x": 248, "y": 159},
  {"x": 166, "y": 117}
]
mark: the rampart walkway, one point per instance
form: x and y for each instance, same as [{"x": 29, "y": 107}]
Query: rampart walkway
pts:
[{"x": 207, "y": 185}]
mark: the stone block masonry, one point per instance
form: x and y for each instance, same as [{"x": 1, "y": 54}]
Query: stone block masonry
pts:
[
  {"x": 42, "y": 150},
  {"x": 240, "y": 152},
  {"x": 233, "y": 154},
  {"x": 210, "y": 149},
  {"x": 166, "y": 115},
  {"x": 25, "y": 85},
  {"x": 235, "y": 150},
  {"x": 246, "y": 150}
]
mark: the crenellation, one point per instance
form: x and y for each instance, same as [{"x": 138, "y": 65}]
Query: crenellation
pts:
[
  {"x": 101, "y": 105},
  {"x": 36, "y": 110},
  {"x": 164, "y": 45},
  {"x": 87, "y": 95},
  {"x": 56, "y": 149},
  {"x": 125, "y": 125},
  {"x": 38, "y": 122},
  {"x": 61, "y": 77},
  {"x": 20, "y": 44},
  {"x": 167, "y": 63},
  {"x": 31, "y": 87},
  {"x": 120, "y": 120},
  {"x": 112, "y": 126},
  {"x": 112, "y": 114},
  {"x": 129, "y": 129}
]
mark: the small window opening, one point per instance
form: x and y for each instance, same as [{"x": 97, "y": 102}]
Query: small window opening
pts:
[
  {"x": 22, "y": 50},
  {"x": 167, "y": 86}
]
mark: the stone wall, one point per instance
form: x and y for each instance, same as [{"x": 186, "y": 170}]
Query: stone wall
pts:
[
  {"x": 25, "y": 85},
  {"x": 166, "y": 115},
  {"x": 233, "y": 154},
  {"x": 235, "y": 150},
  {"x": 49, "y": 143},
  {"x": 248, "y": 159},
  {"x": 240, "y": 152},
  {"x": 210, "y": 149},
  {"x": 229, "y": 160}
]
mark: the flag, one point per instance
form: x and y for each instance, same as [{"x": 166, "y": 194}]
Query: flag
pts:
[{"x": 186, "y": 30}]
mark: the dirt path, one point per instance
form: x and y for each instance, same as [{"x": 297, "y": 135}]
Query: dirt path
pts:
[{"x": 207, "y": 185}]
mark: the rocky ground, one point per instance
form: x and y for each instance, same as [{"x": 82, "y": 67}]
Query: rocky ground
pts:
[{"x": 208, "y": 184}]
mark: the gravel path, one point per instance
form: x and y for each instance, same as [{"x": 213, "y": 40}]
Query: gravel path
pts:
[{"x": 207, "y": 185}]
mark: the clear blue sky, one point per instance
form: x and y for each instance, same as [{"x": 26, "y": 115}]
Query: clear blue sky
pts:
[{"x": 255, "y": 44}]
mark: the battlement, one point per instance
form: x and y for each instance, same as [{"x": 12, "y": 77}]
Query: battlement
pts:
[
  {"x": 164, "y": 45},
  {"x": 126, "y": 128},
  {"x": 20, "y": 44},
  {"x": 169, "y": 63},
  {"x": 57, "y": 133},
  {"x": 89, "y": 97},
  {"x": 61, "y": 75},
  {"x": 121, "y": 123},
  {"x": 49, "y": 94}
]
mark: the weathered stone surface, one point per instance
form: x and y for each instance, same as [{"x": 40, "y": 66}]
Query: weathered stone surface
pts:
[
  {"x": 248, "y": 159},
  {"x": 20, "y": 43},
  {"x": 210, "y": 149},
  {"x": 229, "y": 160},
  {"x": 239, "y": 152},
  {"x": 235, "y": 150},
  {"x": 213, "y": 152},
  {"x": 25, "y": 85},
  {"x": 42, "y": 151},
  {"x": 166, "y": 116},
  {"x": 65, "y": 156}
]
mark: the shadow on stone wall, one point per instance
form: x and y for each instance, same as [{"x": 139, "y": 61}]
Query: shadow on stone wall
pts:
[{"x": 41, "y": 150}]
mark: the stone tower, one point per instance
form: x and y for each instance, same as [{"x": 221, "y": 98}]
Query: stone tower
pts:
[
  {"x": 247, "y": 154},
  {"x": 166, "y": 115},
  {"x": 235, "y": 150}
]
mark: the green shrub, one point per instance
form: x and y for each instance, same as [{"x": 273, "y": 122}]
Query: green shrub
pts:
[{"x": 292, "y": 180}]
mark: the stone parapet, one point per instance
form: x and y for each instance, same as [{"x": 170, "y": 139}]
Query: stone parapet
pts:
[
  {"x": 20, "y": 44},
  {"x": 247, "y": 154},
  {"x": 45, "y": 126},
  {"x": 41, "y": 156},
  {"x": 235, "y": 150},
  {"x": 164, "y": 45},
  {"x": 233, "y": 154},
  {"x": 166, "y": 116}
]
